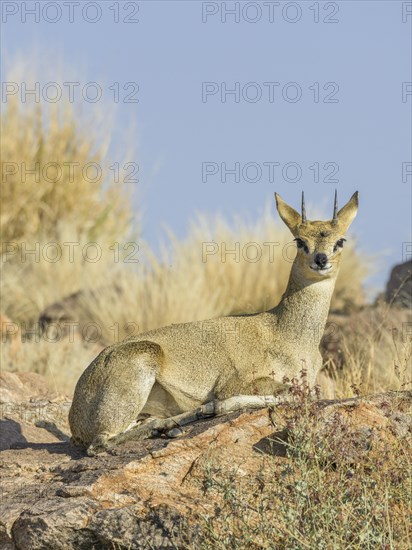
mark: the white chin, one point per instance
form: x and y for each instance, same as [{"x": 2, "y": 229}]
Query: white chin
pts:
[{"x": 322, "y": 271}]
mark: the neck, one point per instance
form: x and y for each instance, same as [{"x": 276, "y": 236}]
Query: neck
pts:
[{"x": 303, "y": 311}]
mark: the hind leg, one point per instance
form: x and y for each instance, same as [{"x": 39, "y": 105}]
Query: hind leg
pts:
[
  {"x": 112, "y": 392},
  {"x": 121, "y": 409}
]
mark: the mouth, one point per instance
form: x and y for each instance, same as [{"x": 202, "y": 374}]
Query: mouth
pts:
[{"x": 321, "y": 270}]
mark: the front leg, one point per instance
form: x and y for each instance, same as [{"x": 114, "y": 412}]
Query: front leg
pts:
[{"x": 155, "y": 426}]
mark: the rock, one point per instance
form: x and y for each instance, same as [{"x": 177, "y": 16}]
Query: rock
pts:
[
  {"x": 361, "y": 422},
  {"x": 16, "y": 387},
  {"x": 30, "y": 412},
  {"x": 67, "y": 310},
  {"x": 17, "y": 434},
  {"x": 399, "y": 287},
  {"x": 143, "y": 494},
  {"x": 74, "y": 313},
  {"x": 130, "y": 528},
  {"x": 56, "y": 524},
  {"x": 355, "y": 334}
]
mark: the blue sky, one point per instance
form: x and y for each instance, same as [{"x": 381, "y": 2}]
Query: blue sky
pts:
[{"x": 336, "y": 111}]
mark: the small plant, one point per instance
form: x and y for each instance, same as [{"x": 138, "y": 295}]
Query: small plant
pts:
[{"x": 337, "y": 487}]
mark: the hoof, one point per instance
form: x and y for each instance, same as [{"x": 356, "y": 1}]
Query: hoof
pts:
[
  {"x": 94, "y": 450},
  {"x": 99, "y": 445},
  {"x": 91, "y": 451},
  {"x": 174, "y": 432}
]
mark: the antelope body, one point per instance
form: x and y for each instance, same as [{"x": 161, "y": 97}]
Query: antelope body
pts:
[{"x": 181, "y": 372}]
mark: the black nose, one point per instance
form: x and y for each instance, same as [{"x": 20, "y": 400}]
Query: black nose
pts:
[{"x": 321, "y": 260}]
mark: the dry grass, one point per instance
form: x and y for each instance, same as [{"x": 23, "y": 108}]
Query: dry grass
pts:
[
  {"x": 52, "y": 142},
  {"x": 60, "y": 362},
  {"x": 46, "y": 211},
  {"x": 48, "y": 281},
  {"x": 372, "y": 352}
]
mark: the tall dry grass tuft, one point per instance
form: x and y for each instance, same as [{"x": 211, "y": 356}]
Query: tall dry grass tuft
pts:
[
  {"x": 64, "y": 186},
  {"x": 60, "y": 362},
  {"x": 53, "y": 206},
  {"x": 30, "y": 282}
]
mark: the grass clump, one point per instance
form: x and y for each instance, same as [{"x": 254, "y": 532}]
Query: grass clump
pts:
[
  {"x": 335, "y": 485},
  {"x": 54, "y": 170},
  {"x": 52, "y": 215}
]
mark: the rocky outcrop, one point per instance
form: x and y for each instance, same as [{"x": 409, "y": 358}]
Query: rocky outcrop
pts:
[
  {"x": 30, "y": 412},
  {"x": 399, "y": 287},
  {"x": 73, "y": 313},
  {"x": 361, "y": 331},
  {"x": 142, "y": 494}
]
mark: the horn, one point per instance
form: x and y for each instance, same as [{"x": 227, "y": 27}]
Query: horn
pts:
[
  {"x": 335, "y": 207},
  {"x": 303, "y": 208}
]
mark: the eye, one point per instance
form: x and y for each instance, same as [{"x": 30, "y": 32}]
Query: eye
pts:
[
  {"x": 338, "y": 244},
  {"x": 301, "y": 244}
]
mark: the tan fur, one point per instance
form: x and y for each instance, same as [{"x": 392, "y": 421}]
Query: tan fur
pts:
[{"x": 178, "y": 368}]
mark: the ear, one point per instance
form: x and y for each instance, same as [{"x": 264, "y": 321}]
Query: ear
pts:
[
  {"x": 347, "y": 214},
  {"x": 288, "y": 214}
]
